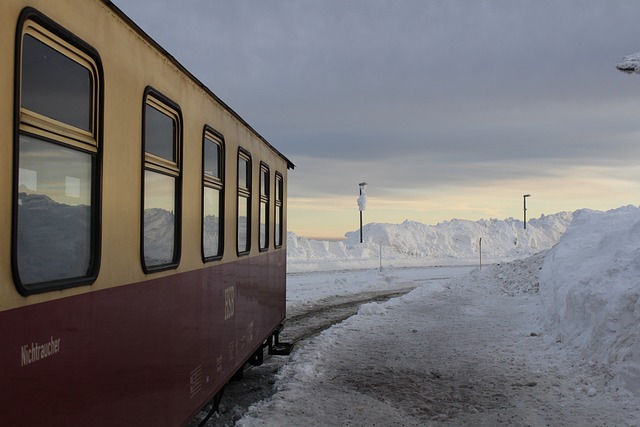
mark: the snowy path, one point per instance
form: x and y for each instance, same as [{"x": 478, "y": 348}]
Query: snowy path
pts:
[{"x": 460, "y": 353}]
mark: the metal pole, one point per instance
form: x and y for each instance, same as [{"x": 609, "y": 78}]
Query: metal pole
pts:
[
  {"x": 481, "y": 253},
  {"x": 362, "y": 202},
  {"x": 524, "y": 198},
  {"x": 361, "y": 217}
]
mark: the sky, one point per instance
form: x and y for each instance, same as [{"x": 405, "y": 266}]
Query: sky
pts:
[{"x": 447, "y": 109}]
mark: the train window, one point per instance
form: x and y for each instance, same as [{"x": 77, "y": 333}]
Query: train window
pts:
[
  {"x": 212, "y": 195},
  {"x": 264, "y": 207},
  {"x": 278, "y": 211},
  {"x": 56, "y": 233},
  {"x": 244, "y": 202},
  {"x": 162, "y": 182}
]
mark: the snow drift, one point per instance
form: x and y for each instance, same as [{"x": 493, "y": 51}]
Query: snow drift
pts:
[
  {"x": 590, "y": 288},
  {"x": 412, "y": 243}
]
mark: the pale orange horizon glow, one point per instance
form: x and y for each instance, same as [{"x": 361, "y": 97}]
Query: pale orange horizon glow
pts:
[{"x": 581, "y": 188}]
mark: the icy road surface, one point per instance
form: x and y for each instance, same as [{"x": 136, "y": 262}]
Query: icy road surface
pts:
[{"x": 315, "y": 301}]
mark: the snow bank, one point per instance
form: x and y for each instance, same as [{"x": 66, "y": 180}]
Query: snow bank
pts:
[
  {"x": 590, "y": 288},
  {"x": 630, "y": 63},
  {"x": 413, "y": 243},
  {"x": 371, "y": 309}
]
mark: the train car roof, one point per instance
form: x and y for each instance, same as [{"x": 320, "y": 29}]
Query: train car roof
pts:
[{"x": 175, "y": 62}]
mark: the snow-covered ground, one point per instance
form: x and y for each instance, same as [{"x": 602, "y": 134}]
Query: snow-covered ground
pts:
[{"x": 551, "y": 338}]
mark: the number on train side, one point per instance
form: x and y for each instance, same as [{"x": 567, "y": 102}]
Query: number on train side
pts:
[{"x": 229, "y": 302}]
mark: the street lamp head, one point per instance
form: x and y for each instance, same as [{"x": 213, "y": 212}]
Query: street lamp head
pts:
[{"x": 526, "y": 195}]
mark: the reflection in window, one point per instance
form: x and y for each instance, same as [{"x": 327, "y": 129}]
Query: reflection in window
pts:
[
  {"x": 55, "y": 86},
  {"x": 244, "y": 203},
  {"x": 211, "y": 158},
  {"x": 263, "y": 226},
  {"x": 54, "y": 212},
  {"x": 212, "y": 198},
  {"x": 211, "y": 223},
  {"x": 264, "y": 207},
  {"x": 243, "y": 172},
  {"x": 159, "y": 219},
  {"x": 278, "y": 211},
  {"x": 243, "y": 235}
]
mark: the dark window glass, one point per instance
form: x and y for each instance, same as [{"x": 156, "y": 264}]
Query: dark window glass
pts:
[
  {"x": 211, "y": 158},
  {"x": 243, "y": 172},
  {"x": 54, "y": 239},
  {"x": 278, "y": 188},
  {"x": 264, "y": 182},
  {"x": 55, "y": 85},
  {"x": 160, "y": 134}
]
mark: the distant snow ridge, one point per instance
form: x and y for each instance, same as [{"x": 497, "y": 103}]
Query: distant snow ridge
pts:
[{"x": 449, "y": 241}]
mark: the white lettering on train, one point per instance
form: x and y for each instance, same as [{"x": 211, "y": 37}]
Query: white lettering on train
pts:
[
  {"x": 195, "y": 381},
  {"x": 34, "y": 352},
  {"x": 229, "y": 302}
]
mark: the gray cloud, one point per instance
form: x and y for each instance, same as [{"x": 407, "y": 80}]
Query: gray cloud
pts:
[{"x": 416, "y": 91}]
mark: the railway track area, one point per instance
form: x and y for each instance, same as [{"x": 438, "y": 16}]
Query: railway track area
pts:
[{"x": 302, "y": 323}]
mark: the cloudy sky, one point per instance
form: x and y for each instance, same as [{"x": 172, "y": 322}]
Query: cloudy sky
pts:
[{"x": 447, "y": 109}]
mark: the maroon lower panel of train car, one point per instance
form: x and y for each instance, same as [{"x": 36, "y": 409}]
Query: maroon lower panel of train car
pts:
[{"x": 149, "y": 353}]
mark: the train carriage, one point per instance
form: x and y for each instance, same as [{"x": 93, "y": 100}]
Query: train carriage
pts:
[{"x": 143, "y": 255}]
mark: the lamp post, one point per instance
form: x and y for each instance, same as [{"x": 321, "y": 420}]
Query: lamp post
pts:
[
  {"x": 524, "y": 198},
  {"x": 362, "y": 203}
]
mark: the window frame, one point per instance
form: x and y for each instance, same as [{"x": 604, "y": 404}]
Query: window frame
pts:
[
  {"x": 264, "y": 200},
  {"x": 154, "y": 163},
  {"x": 278, "y": 215},
  {"x": 49, "y": 130},
  {"x": 217, "y": 183},
  {"x": 244, "y": 192}
]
